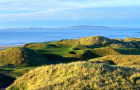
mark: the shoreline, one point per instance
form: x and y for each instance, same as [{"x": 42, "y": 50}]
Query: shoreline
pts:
[{"x": 9, "y": 46}]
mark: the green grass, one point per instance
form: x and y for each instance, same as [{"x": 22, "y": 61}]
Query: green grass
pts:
[
  {"x": 95, "y": 45},
  {"x": 15, "y": 72},
  {"x": 99, "y": 50},
  {"x": 48, "y": 48}
]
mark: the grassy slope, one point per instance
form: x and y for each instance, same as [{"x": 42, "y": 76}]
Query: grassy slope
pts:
[
  {"x": 123, "y": 60},
  {"x": 81, "y": 49},
  {"x": 14, "y": 60},
  {"x": 78, "y": 76},
  {"x": 21, "y": 57},
  {"x": 87, "y": 41}
]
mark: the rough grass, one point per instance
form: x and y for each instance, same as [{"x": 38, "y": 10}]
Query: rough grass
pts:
[
  {"x": 99, "y": 73},
  {"x": 122, "y": 60},
  {"x": 21, "y": 56},
  {"x": 105, "y": 51},
  {"x": 122, "y": 45},
  {"x": 78, "y": 76},
  {"x": 131, "y": 39},
  {"x": 93, "y": 40}
]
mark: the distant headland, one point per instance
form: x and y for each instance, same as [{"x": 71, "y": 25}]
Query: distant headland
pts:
[{"x": 78, "y": 27}]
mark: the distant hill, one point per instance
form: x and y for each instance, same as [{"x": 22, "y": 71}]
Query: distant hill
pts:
[
  {"x": 85, "y": 27},
  {"x": 79, "y": 27}
]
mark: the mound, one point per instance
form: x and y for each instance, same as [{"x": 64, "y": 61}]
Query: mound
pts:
[
  {"x": 78, "y": 76},
  {"x": 39, "y": 45},
  {"x": 34, "y": 45},
  {"x": 131, "y": 39},
  {"x": 122, "y": 45},
  {"x": 21, "y": 56},
  {"x": 5, "y": 79},
  {"x": 93, "y": 40},
  {"x": 123, "y": 60},
  {"x": 105, "y": 51}
]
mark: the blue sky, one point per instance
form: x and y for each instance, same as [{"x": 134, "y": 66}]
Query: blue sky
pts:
[{"x": 61, "y": 13}]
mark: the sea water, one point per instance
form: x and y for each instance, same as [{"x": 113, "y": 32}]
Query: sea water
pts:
[{"x": 23, "y": 36}]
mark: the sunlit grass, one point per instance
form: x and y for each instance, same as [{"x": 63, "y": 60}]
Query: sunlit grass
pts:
[
  {"x": 94, "y": 74},
  {"x": 121, "y": 60},
  {"x": 21, "y": 56},
  {"x": 78, "y": 76}
]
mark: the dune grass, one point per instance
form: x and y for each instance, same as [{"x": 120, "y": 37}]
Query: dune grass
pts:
[
  {"x": 21, "y": 56},
  {"x": 104, "y": 51},
  {"x": 100, "y": 51},
  {"x": 78, "y": 76},
  {"x": 131, "y": 39},
  {"x": 122, "y": 60},
  {"x": 93, "y": 40}
]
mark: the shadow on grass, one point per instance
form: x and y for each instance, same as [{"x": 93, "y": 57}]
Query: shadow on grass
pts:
[
  {"x": 61, "y": 59},
  {"x": 129, "y": 51},
  {"x": 41, "y": 51},
  {"x": 81, "y": 47},
  {"x": 2, "y": 70}
]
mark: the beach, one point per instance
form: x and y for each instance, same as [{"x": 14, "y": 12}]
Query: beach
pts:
[{"x": 9, "y": 46}]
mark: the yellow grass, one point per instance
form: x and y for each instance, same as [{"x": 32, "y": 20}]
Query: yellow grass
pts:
[
  {"x": 21, "y": 56},
  {"x": 131, "y": 39},
  {"x": 123, "y": 60},
  {"x": 93, "y": 40},
  {"x": 78, "y": 76}
]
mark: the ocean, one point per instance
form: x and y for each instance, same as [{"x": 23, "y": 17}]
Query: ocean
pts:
[{"x": 23, "y": 36}]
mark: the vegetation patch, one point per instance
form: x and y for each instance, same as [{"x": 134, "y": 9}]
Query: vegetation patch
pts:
[
  {"x": 105, "y": 51},
  {"x": 122, "y": 45},
  {"x": 123, "y": 60},
  {"x": 21, "y": 56},
  {"x": 78, "y": 76},
  {"x": 106, "y": 68},
  {"x": 93, "y": 40},
  {"x": 131, "y": 39}
]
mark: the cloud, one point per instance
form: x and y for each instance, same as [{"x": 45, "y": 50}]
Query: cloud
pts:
[
  {"x": 52, "y": 4},
  {"x": 67, "y": 9},
  {"x": 58, "y": 9}
]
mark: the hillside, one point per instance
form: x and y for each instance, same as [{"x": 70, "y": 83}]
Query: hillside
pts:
[
  {"x": 121, "y": 60},
  {"x": 103, "y": 63},
  {"x": 78, "y": 76},
  {"x": 93, "y": 40},
  {"x": 84, "y": 48},
  {"x": 21, "y": 56}
]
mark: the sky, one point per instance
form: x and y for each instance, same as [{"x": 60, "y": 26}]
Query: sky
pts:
[{"x": 63, "y": 13}]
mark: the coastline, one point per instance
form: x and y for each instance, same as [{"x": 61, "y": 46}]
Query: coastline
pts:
[{"x": 9, "y": 46}]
